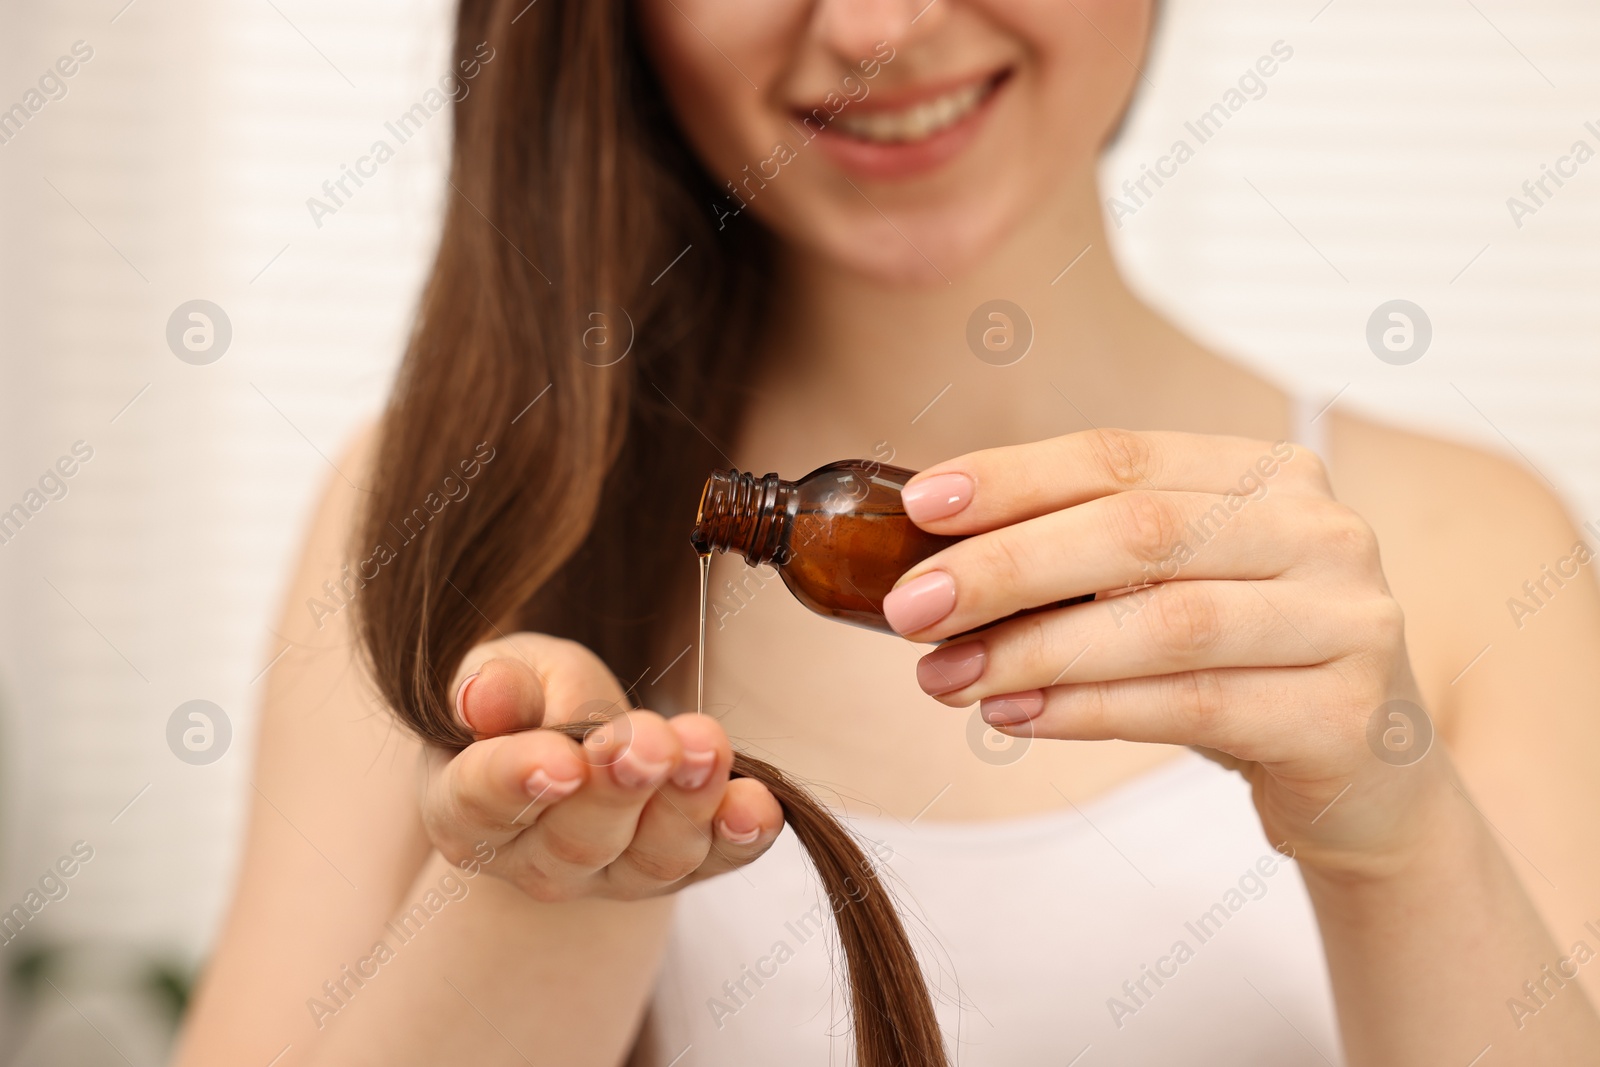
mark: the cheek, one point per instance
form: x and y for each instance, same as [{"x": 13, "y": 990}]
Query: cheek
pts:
[
  {"x": 715, "y": 79},
  {"x": 1088, "y": 55},
  {"x": 1082, "y": 66},
  {"x": 1120, "y": 23}
]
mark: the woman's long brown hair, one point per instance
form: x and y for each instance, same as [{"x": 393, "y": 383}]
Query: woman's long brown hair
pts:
[{"x": 528, "y": 478}]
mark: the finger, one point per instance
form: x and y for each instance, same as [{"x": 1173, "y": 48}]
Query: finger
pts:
[
  {"x": 500, "y": 697},
  {"x": 675, "y": 829},
  {"x": 628, "y": 759},
  {"x": 528, "y": 680},
  {"x": 493, "y": 789},
  {"x": 1130, "y": 539},
  {"x": 995, "y": 487},
  {"x": 1250, "y": 713},
  {"x": 745, "y": 826},
  {"x": 1165, "y": 629}
]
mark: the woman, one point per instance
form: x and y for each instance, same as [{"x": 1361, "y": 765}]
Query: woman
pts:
[{"x": 690, "y": 233}]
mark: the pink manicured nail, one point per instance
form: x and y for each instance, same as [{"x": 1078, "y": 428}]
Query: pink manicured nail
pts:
[
  {"x": 541, "y": 786},
  {"x": 744, "y": 838},
  {"x": 695, "y": 770},
  {"x": 920, "y": 603},
  {"x": 631, "y": 772},
  {"x": 461, "y": 701},
  {"x": 944, "y": 670},
  {"x": 938, "y": 497},
  {"x": 1013, "y": 709}
]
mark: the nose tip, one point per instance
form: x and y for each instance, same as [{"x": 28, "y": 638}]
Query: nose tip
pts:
[{"x": 854, "y": 28}]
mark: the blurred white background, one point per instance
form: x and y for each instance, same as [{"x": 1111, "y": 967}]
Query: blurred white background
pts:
[{"x": 177, "y": 166}]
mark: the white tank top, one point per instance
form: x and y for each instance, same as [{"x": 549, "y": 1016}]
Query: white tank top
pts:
[{"x": 1154, "y": 924}]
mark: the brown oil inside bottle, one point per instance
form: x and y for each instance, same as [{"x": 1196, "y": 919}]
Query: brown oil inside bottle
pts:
[{"x": 839, "y": 537}]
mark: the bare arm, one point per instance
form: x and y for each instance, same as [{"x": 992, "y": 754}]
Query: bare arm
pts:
[
  {"x": 1424, "y": 957},
  {"x": 499, "y": 978}
]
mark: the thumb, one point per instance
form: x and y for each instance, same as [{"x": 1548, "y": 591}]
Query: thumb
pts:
[{"x": 526, "y": 681}]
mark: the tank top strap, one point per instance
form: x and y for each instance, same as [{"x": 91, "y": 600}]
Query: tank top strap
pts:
[{"x": 1308, "y": 422}]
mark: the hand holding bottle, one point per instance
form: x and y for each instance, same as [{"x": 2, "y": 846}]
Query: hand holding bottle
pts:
[
  {"x": 1251, "y": 620},
  {"x": 642, "y": 807}
]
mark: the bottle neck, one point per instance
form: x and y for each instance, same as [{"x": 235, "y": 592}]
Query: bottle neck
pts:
[{"x": 743, "y": 513}]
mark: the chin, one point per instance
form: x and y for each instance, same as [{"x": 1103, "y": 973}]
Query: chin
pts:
[{"x": 926, "y": 247}]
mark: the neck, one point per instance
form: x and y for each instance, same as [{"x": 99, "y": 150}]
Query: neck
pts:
[{"x": 855, "y": 361}]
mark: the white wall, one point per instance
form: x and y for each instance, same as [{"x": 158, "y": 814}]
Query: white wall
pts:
[
  {"x": 178, "y": 166},
  {"x": 1391, "y": 142},
  {"x": 189, "y": 144}
]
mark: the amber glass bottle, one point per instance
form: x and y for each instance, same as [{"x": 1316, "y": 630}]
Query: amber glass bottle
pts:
[{"x": 839, "y": 537}]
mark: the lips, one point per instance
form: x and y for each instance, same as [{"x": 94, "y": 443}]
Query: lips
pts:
[{"x": 895, "y": 136}]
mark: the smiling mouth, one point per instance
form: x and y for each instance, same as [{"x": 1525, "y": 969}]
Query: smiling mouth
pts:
[{"x": 916, "y": 122}]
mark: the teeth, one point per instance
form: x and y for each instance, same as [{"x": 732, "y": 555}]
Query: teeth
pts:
[{"x": 914, "y": 123}]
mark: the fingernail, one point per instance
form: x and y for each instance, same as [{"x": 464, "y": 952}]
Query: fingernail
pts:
[
  {"x": 920, "y": 603},
  {"x": 1013, "y": 709},
  {"x": 632, "y": 772},
  {"x": 695, "y": 770},
  {"x": 744, "y": 837},
  {"x": 938, "y": 497},
  {"x": 944, "y": 670},
  {"x": 461, "y": 701},
  {"x": 541, "y": 786}
]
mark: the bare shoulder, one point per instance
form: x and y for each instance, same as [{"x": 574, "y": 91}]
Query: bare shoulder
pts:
[
  {"x": 1446, "y": 478},
  {"x": 321, "y": 715},
  {"x": 1497, "y": 581},
  {"x": 1466, "y": 536},
  {"x": 344, "y": 489}
]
